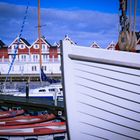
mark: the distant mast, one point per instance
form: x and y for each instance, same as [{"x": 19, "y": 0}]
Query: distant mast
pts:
[{"x": 39, "y": 36}]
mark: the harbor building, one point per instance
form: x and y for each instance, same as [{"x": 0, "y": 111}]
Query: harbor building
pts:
[{"x": 26, "y": 64}]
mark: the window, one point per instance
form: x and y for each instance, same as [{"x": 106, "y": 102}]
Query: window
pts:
[
  {"x": 42, "y": 90},
  {"x": 34, "y": 68},
  {"x": 53, "y": 59},
  {"x": 43, "y": 47},
  {"x": 12, "y": 56},
  {"x": 36, "y": 46},
  {"x": 21, "y": 68},
  {"x": 35, "y": 57},
  {"x": 14, "y": 47},
  {"x": 44, "y": 68},
  {"x": 52, "y": 90},
  {"x": 59, "y": 57},
  {"x": 23, "y": 57},
  {"x": 44, "y": 57},
  {"x": 48, "y": 57},
  {"x": 22, "y": 46}
]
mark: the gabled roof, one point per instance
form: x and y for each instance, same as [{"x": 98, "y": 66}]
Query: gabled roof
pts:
[
  {"x": 55, "y": 45},
  {"x": 25, "y": 41},
  {"x": 111, "y": 46},
  {"x": 68, "y": 39},
  {"x": 43, "y": 39},
  {"x": 94, "y": 45},
  {"x": 2, "y": 44},
  {"x": 21, "y": 40}
]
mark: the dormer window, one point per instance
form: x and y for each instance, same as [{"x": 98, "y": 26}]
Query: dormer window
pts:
[
  {"x": 22, "y": 46},
  {"x": 14, "y": 47},
  {"x": 36, "y": 46}
]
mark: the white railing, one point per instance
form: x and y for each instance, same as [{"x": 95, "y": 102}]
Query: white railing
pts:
[
  {"x": 4, "y": 60},
  {"x": 52, "y": 60},
  {"x": 45, "y": 51},
  {"x": 12, "y": 51}
]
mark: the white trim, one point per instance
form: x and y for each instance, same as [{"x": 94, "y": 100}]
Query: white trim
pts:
[
  {"x": 36, "y": 42},
  {"x": 20, "y": 43},
  {"x": 13, "y": 42}
]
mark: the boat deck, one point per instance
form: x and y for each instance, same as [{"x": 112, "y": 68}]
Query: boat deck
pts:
[{"x": 33, "y": 104}]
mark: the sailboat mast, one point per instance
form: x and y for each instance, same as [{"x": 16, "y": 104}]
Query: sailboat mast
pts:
[
  {"x": 39, "y": 36},
  {"x": 123, "y": 18}
]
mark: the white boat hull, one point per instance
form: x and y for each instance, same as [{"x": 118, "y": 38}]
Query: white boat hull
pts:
[
  {"x": 52, "y": 92},
  {"x": 103, "y": 101}
]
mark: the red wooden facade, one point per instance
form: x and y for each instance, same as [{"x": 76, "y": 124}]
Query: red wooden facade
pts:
[
  {"x": 3, "y": 50},
  {"x": 23, "y": 46},
  {"x": 51, "y": 52},
  {"x": 47, "y": 48}
]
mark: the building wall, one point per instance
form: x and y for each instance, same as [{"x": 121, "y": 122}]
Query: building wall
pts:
[
  {"x": 27, "y": 60},
  {"x": 30, "y": 68},
  {"x": 3, "y": 53}
]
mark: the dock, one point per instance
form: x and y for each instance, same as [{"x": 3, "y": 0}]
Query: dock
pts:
[{"x": 32, "y": 104}]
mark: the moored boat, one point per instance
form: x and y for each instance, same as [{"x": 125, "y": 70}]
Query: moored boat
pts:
[
  {"x": 50, "y": 92},
  {"x": 22, "y": 120},
  {"x": 11, "y": 113},
  {"x": 34, "y": 129}
]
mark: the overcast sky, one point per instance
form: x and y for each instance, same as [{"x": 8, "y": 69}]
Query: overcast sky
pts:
[{"x": 84, "y": 21}]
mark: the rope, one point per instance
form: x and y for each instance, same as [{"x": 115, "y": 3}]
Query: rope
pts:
[
  {"x": 130, "y": 15},
  {"x": 135, "y": 9},
  {"x": 19, "y": 37},
  {"x": 128, "y": 39}
]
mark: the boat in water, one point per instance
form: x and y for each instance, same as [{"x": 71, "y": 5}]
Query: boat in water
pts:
[
  {"x": 103, "y": 101},
  {"x": 52, "y": 92},
  {"x": 23, "y": 120},
  {"x": 11, "y": 113},
  {"x": 37, "y": 129}
]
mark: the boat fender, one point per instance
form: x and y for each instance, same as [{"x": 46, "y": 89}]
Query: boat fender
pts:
[{"x": 59, "y": 113}]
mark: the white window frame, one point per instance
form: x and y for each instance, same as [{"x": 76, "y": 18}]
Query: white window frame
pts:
[
  {"x": 44, "y": 47},
  {"x": 36, "y": 46},
  {"x": 34, "y": 68},
  {"x": 35, "y": 57},
  {"x": 22, "y": 46}
]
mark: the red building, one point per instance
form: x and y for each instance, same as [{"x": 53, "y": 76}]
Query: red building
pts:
[
  {"x": 23, "y": 49},
  {"x": 48, "y": 52},
  {"x": 3, "y": 50}
]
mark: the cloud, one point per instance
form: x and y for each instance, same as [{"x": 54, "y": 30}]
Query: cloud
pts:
[{"x": 83, "y": 27}]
